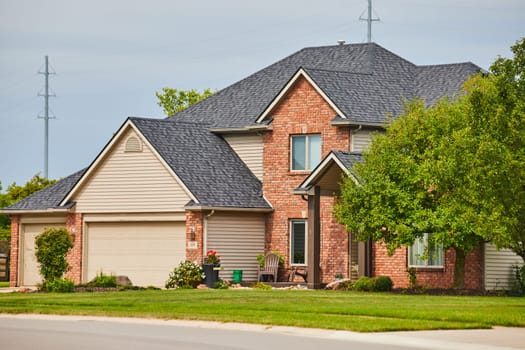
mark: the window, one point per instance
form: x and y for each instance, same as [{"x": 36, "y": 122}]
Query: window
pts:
[
  {"x": 298, "y": 242},
  {"x": 306, "y": 151},
  {"x": 422, "y": 254}
]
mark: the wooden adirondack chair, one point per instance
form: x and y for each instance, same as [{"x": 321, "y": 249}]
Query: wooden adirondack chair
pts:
[{"x": 270, "y": 268}]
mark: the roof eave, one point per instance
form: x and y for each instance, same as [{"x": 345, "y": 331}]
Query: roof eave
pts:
[
  {"x": 241, "y": 130},
  {"x": 38, "y": 211},
  {"x": 357, "y": 124},
  {"x": 244, "y": 209}
]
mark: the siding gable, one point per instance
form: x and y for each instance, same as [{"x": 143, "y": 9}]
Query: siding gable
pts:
[
  {"x": 130, "y": 182},
  {"x": 249, "y": 148}
]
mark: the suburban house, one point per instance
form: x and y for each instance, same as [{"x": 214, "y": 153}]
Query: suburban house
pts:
[{"x": 252, "y": 169}]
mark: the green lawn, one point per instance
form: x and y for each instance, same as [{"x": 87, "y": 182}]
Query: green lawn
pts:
[
  {"x": 363, "y": 312},
  {"x": 4, "y": 284}
]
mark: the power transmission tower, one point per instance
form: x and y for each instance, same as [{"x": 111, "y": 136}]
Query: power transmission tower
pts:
[
  {"x": 46, "y": 116},
  {"x": 369, "y": 19}
]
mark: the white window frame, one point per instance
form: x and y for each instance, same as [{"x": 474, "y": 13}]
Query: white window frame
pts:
[
  {"x": 305, "y": 222},
  {"x": 308, "y": 167},
  {"x": 424, "y": 263}
]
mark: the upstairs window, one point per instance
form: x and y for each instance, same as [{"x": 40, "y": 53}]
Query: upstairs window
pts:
[
  {"x": 422, "y": 253},
  {"x": 306, "y": 152}
]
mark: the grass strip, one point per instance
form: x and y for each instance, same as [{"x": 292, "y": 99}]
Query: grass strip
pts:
[{"x": 362, "y": 312}]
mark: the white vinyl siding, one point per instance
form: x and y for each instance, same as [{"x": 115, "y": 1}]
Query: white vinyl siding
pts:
[
  {"x": 238, "y": 239},
  {"x": 30, "y": 272},
  {"x": 360, "y": 140},
  {"x": 250, "y": 149},
  {"x": 498, "y": 267},
  {"x": 131, "y": 182},
  {"x": 146, "y": 252}
]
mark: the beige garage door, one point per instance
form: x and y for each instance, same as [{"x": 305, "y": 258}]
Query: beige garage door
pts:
[
  {"x": 30, "y": 275},
  {"x": 146, "y": 252}
]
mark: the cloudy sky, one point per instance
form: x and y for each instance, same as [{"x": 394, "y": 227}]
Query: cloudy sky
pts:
[{"x": 111, "y": 56}]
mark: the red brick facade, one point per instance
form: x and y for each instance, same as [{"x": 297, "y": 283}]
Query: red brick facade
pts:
[
  {"x": 15, "y": 248},
  {"x": 194, "y": 233},
  {"x": 74, "y": 258},
  {"x": 396, "y": 266},
  {"x": 301, "y": 111}
]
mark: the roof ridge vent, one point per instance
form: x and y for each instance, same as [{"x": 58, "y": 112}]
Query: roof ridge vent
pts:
[{"x": 341, "y": 42}]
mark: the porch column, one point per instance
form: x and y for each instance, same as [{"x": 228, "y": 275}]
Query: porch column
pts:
[{"x": 314, "y": 239}]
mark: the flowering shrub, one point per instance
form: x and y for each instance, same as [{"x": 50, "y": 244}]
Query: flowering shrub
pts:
[
  {"x": 187, "y": 275},
  {"x": 212, "y": 258}
]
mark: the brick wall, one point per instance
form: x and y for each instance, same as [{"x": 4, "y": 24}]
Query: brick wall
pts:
[
  {"x": 15, "y": 245},
  {"x": 74, "y": 225},
  {"x": 395, "y": 267},
  {"x": 301, "y": 111},
  {"x": 194, "y": 219}
]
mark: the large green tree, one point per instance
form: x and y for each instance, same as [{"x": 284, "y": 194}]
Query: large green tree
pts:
[
  {"x": 455, "y": 171},
  {"x": 15, "y": 193},
  {"x": 173, "y": 100}
]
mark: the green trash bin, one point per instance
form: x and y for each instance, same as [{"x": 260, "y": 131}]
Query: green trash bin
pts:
[{"x": 237, "y": 276}]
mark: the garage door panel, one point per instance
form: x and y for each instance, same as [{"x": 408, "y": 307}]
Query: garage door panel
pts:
[{"x": 145, "y": 252}]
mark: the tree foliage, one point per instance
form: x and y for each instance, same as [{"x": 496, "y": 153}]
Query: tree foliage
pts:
[
  {"x": 173, "y": 100},
  {"x": 16, "y": 193},
  {"x": 455, "y": 171},
  {"x": 51, "y": 248}
]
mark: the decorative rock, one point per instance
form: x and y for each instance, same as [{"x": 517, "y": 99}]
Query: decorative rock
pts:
[
  {"x": 123, "y": 281},
  {"x": 337, "y": 285}
]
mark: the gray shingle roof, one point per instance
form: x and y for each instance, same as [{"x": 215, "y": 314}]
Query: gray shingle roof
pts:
[
  {"x": 383, "y": 79},
  {"x": 349, "y": 159},
  {"x": 49, "y": 197},
  {"x": 204, "y": 162}
]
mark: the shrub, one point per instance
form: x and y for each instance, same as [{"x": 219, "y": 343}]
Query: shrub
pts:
[
  {"x": 104, "y": 281},
  {"x": 52, "y": 246},
  {"x": 262, "y": 286},
  {"x": 363, "y": 284},
  {"x": 412, "y": 277},
  {"x": 187, "y": 275},
  {"x": 220, "y": 284},
  {"x": 519, "y": 284},
  {"x": 59, "y": 285},
  {"x": 373, "y": 284}
]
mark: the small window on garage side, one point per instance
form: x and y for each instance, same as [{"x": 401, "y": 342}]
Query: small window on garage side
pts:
[{"x": 133, "y": 144}]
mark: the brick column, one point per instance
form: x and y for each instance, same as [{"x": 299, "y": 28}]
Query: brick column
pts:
[
  {"x": 15, "y": 247},
  {"x": 194, "y": 236},
  {"x": 74, "y": 258}
]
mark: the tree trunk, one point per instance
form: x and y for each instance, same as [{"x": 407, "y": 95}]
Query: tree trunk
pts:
[{"x": 459, "y": 269}]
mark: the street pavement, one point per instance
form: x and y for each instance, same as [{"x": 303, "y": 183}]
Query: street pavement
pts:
[{"x": 103, "y": 333}]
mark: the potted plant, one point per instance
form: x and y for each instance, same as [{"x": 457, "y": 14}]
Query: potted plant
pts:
[{"x": 211, "y": 267}]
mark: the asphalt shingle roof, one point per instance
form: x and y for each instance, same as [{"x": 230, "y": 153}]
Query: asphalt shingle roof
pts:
[
  {"x": 349, "y": 159},
  {"x": 204, "y": 162},
  {"x": 382, "y": 78},
  {"x": 49, "y": 197}
]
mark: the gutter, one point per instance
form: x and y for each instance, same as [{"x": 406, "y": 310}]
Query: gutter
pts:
[
  {"x": 39, "y": 211},
  {"x": 245, "y": 129},
  {"x": 358, "y": 124},
  {"x": 203, "y": 207}
]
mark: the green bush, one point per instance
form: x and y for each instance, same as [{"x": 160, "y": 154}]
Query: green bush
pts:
[
  {"x": 262, "y": 286},
  {"x": 186, "y": 275},
  {"x": 220, "y": 284},
  {"x": 52, "y": 247},
  {"x": 519, "y": 284},
  {"x": 373, "y": 284},
  {"x": 104, "y": 281},
  {"x": 59, "y": 285}
]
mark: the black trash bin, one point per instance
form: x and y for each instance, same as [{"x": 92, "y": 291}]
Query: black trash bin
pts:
[{"x": 212, "y": 274}]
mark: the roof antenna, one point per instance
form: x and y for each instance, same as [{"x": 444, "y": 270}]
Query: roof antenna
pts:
[
  {"x": 369, "y": 20},
  {"x": 340, "y": 42}
]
